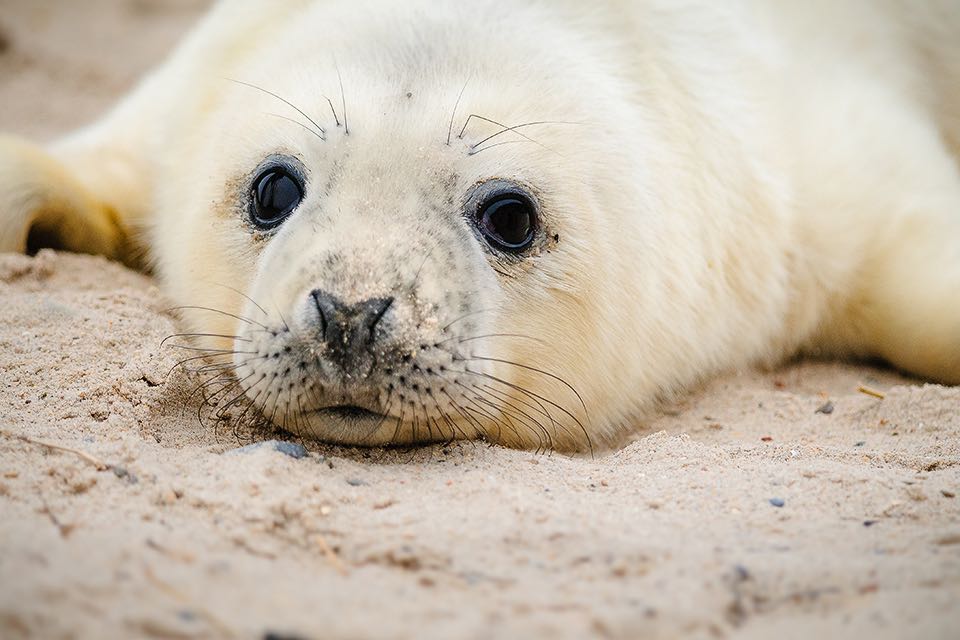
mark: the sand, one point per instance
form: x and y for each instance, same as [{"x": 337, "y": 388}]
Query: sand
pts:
[{"x": 122, "y": 515}]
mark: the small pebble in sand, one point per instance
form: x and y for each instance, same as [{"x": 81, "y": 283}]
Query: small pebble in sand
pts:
[
  {"x": 826, "y": 408},
  {"x": 859, "y": 443},
  {"x": 778, "y": 502},
  {"x": 291, "y": 449},
  {"x": 948, "y": 494},
  {"x": 356, "y": 482},
  {"x": 124, "y": 474}
]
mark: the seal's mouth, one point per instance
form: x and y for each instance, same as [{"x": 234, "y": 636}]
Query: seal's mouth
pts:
[
  {"x": 349, "y": 413},
  {"x": 347, "y": 424}
]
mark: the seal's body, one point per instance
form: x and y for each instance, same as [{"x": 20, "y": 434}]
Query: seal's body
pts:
[{"x": 429, "y": 220}]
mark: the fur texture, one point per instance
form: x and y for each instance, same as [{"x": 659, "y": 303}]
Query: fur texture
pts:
[{"x": 720, "y": 185}]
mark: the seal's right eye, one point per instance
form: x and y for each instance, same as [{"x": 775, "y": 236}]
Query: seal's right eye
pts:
[{"x": 276, "y": 192}]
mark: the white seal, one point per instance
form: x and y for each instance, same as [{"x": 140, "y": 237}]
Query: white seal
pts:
[{"x": 522, "y": 221}]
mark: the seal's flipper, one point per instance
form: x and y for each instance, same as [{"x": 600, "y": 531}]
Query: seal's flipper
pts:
[
  {"x": 56, "y": 199},
  {"x": 915, "y": 297}
]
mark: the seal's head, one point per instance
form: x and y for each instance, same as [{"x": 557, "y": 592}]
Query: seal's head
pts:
[{"x": 414, "y": 233}]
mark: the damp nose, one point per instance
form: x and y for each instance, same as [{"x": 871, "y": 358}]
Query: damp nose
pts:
[{"x": 348, "y": 328}]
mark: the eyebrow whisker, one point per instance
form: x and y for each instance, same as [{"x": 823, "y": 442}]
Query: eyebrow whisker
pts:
[
  {"x": 454, "y": 114},
  {"x": 283, "y": 100},
  {"x": 296, "y": 122},
  {"x": 343, "y": 97},
  {"x": 330, "y": 102},
  {"x": 519, "y": 126}
]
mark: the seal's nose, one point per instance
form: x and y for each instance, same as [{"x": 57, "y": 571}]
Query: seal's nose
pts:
[{"x": 348, "y": 329}]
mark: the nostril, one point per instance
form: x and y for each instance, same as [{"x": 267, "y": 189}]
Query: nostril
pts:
[
  {"x": 378, "y": 307},
  {"x": 327, "y": 306}
]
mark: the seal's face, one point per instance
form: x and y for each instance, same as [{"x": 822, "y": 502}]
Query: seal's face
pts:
[
  {"x": 373, "y": 337},
  {"x": 396, "y": 254}
]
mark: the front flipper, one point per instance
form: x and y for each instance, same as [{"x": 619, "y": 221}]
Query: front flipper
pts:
[{"x": 49, "y": 201}]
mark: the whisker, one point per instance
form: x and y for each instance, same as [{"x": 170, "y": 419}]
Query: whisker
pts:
[
  {"x": 454, "y": 430},
  {"x": 283, "y": 100},
  {"x": 226, "y": 389},
  {"x": 330, "y": 102},
  {"x": 203, "y": 335},
  {"x": 497, "y": 335},
  {"x": 416, "y": 278},
  {"x": 473, "y": 409},
  {"x": 426, "y": 417},
  {"x": 212, "y": 351},
  {"x": 470, "y": 420},
  {"x": 539, "y": 408},
  {"x": 282, "y": 319},
  {"x": 538, "y": 397},
  {"x": 520, "y": 126},
  {"x": 228, "y": 366},
  {"x": 226, "y": 313},
  {"x": 396, "y": 429},
  {"x": 454, "y": 114},
  {"x": 540, "y": 371},
  {"x": 473, "y": 147},
  {"x": 473, "y": 401},
  {"x": 296, "y": 122},
  {"x": 343, "y": 97},
  {"x": 224, "y": 367},
  {"x": 442, "y": 439},
  {"x": 191, "y": 359},
  {"x": 217, "y": 378},
  {"x": 241, "y": 293},
  {"x": 221, "y": 413},
  {"x": 211, "y": 400},
  {"x": 415, "y": 423},
  {"x": 276, "y": 403},
  {"x": 297, "y": 417},
  {"x": 251, "y": 402},
  {"x": 479, "y": 117},
  {"x": 496, "y": 144},
  {"x": 538, "y": 426},
  {"x": 465, "y": 316},
  {"x": 286, "y": 415}
]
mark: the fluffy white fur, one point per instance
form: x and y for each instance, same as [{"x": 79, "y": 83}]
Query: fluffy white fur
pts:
[{"x": 725, "y": 184}]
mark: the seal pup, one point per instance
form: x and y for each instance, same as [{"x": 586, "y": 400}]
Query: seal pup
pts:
[{"x": 392, "y": 222}]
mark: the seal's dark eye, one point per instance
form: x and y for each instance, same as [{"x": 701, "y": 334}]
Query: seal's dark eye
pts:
[
  {"x": 276, "y": 193},
  {"x": 507, "y": 221}
]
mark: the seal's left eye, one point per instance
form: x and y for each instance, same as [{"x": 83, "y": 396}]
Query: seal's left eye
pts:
[
  {"x": 507, "y": 220},
  {"x": 276, "y": 193}
]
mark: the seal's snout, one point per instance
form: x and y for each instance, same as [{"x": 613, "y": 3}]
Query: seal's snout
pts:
[{"x": 348, "y": 330}]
